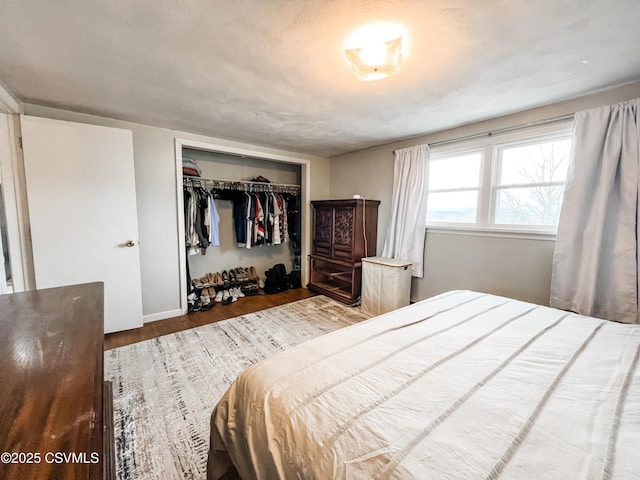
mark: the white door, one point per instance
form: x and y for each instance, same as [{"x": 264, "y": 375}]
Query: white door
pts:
[{"x": 82, "y": 210}]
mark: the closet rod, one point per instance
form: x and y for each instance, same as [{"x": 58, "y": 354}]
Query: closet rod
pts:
[
  {"x": 490, "y": 133},
  {"x": 243, "y": 182}
]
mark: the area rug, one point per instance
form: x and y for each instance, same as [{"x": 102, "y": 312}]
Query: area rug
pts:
[{"x": 165, "y": 389}]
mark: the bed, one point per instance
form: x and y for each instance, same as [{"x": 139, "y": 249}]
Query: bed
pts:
[{"x": 464, "y": 385}]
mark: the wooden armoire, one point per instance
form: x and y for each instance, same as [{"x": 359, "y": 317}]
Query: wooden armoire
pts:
[{"x": 344, "y": 231}]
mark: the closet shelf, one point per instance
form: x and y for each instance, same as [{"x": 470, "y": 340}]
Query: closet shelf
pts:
[{"x": 243, "y": 185}]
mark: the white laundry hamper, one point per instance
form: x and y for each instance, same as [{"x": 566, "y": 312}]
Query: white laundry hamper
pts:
[{"x": 386, "y": 284}]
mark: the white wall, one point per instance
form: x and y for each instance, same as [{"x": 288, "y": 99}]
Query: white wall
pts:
[
  {"x": 154, "y": 156},
  {"x": 228, "y": 254},
  {"x": 518, "y": 268}
]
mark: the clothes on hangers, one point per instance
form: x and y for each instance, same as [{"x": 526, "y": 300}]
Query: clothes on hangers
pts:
[
  {"x": 260, "y": 218},
  {"x": 261, "y": 215},
  {"x": 201, "y": 219}
]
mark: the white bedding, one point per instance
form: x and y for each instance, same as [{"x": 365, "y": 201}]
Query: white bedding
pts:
[{"x": 461, "y": 386}]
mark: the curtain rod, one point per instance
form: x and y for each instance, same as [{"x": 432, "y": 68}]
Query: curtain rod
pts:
[{"x": 497, "y": 131}]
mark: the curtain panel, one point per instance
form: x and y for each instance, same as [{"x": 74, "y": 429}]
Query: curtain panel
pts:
[
  {"x": 406, "y": 232},
  {"x": 595, "y": 264}
]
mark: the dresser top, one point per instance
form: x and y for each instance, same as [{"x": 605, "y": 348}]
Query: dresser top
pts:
[
  {"x": 51, "y": 354},
  {"x": 345, "y": 203}
]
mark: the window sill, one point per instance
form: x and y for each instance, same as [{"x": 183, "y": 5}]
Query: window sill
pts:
[{"x": 493, "y": 232}]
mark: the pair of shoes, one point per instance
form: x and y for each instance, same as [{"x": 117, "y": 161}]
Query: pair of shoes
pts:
[
  {"x": 243, "y": 273},
  {"x": 236, "y": 292},
  {"x": 193, "y": 302},
  {"x": 232, "y": 277},
  {"x": 250, "y": 289},
  {"x": 205, "y": 300},
  {"x": 211, "y": 292},
  {"x": 227, "y": 298}
]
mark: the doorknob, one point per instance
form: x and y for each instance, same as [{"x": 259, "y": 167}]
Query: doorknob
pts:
[{"x": 130, "y": 243}]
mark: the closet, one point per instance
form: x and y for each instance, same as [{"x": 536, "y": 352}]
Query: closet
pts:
[{"x": 230, "y": 179}]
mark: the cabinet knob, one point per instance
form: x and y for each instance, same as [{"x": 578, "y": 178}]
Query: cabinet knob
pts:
[{"x": 130, "y": 243}]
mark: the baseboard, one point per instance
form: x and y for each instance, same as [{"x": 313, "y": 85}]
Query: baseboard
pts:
[{"x": 154, "y": 317}]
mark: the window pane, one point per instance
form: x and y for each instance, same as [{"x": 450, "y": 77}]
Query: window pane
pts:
[
  {"x": 462, "y": 171},
  {"x": 535, "y": 163},
  {"x": 458, "y": 207},
  {"x": 529, "y": 205}
]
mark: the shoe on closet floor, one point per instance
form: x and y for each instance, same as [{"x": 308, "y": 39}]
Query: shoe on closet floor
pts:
[
  {"x": 253, "y": 274},
  {"x": 205, "y": 300},
  {"x": 244, "y": 273},
  {"x": 226, "y": 297},
  {"x": 212, "y": 296},
  {"x": 218, "y": 297},
  {"x": 238, "y": 293},
  {"x": 192, "y": 298}
]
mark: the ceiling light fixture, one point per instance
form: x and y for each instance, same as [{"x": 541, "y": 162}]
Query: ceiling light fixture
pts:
[{"x": 375, "y": 51}]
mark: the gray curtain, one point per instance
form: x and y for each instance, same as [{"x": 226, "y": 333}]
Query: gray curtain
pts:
[
  {"x": 595, "y": 264},
  {"x": 405, "y": 235}
]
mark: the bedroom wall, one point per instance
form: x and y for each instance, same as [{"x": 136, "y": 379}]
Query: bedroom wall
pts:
[
  {"x": 154, "y": 157},
  {"x": 515, "y": 267}
]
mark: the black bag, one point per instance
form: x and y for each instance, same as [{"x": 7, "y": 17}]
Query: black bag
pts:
[
  {"x": 295, "y": 279},
  {"x": 276, "y": 279}
]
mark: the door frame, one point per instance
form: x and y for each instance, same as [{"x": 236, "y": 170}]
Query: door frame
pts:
[
  {"x": 15, "y": 202},
  {"x": 305, "y": 173}
]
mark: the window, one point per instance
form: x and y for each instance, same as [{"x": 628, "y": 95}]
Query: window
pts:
[
  {"x": 454, "y": 187},
  {"x": 509, "y": 182}
]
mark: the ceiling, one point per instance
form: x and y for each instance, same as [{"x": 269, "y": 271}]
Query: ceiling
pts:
[{"x": 273, "y": 73}]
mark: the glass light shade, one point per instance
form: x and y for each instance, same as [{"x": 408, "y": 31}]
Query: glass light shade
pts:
[{"x": 376, "y": 60}]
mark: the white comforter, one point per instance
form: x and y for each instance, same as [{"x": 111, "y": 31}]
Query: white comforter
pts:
[{"x": 461, "y": 386}]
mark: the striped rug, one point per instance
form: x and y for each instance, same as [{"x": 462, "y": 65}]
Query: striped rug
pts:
[{"x": 165, "y": 389}]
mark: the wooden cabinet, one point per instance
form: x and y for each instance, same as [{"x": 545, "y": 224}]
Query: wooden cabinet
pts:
[
  {"x": 53, "y": 399},
  {"x": 344, "y": 231}
]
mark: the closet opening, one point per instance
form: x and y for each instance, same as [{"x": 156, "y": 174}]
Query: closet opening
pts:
[{"x": 232, "y": 180}]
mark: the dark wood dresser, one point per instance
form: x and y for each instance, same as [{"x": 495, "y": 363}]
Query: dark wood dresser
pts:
[
  {"x": 344, "y": 231},
  {"x": 52, "y": 402}
]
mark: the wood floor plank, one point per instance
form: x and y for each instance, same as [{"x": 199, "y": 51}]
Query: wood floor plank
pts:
[{"x": 220, "y": 312}]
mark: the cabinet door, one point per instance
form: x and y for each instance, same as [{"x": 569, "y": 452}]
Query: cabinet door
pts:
[
  {"x": 82, "y": 209},
  {"x": 343, "y": 233},
  {"x": 322, "y": 230}
]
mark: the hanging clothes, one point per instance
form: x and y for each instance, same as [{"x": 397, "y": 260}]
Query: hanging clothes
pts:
[
  {"x": 259, "y": 218},
  {"x": 214, "y": 233},
  {"x": 201, "y": 219}
]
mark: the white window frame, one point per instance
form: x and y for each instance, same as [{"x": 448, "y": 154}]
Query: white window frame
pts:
[
  {"x": 456, "y": 153},
  {"x": 490, "y": 147}
]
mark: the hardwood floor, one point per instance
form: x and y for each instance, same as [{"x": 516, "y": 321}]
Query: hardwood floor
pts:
[{"x": 219, "y": 312}]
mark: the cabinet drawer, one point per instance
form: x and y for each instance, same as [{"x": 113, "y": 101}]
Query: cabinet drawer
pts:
[
  {"x": 342, "y": 253},
  {"x": 322, "y": 249}
]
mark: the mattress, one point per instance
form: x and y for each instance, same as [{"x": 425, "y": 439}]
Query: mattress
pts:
[{"x": 462, "y": 385}]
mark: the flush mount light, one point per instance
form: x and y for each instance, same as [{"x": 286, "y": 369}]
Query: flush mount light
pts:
[{"x": 375, "y": 51}]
